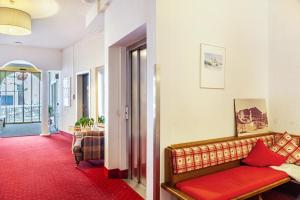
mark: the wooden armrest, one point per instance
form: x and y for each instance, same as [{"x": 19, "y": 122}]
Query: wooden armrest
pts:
[{"x": 175, "y": 192}]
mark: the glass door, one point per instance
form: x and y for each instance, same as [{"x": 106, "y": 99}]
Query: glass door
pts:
[
  {"x": 138, "y": 117},
  {"x": 20, "y": 97}
]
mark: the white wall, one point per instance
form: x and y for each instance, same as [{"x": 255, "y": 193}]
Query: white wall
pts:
[
  {"x": 126, "y": 22},
  {"x": 189, "y": 113},
  {"x": 284, "y": 70},
  {"x": 45, "y": 59},
  {"x": 85, "y": 55},
  {"x": 123, "y": 17}
]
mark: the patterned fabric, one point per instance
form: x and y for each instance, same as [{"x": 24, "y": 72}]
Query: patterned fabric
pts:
[
  {"x": 287, "y": 147},
  {"x": 89, "y": 148},
  {"x": 198, "y": 157},
  {"x": 279, "y": 135},
  {"x": 93, "y": 133}
]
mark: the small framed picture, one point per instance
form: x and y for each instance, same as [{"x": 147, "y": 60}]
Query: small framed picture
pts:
[
  {"x": 250, "y": 116},
  {"x": 212, "y": 68}
]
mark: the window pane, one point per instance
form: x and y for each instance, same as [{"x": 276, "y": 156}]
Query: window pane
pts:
[
  {"x": 2, "y": 78},
  {"x": 19, "y": 96},
  {"x": 101, "y": 93},
  {"x": 27, "y": 98},
  {"x": 35, "y": 97},
  {"x": 9, "y": 105}
]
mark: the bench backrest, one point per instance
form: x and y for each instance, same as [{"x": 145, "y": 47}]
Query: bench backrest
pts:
[{"x": 189, "y": 160}]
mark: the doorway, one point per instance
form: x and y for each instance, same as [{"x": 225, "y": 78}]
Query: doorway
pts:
[
  {"x": 54, "y": 101},
  {"x": 138, "y": 112},
  {"x": 83, "y": 94},
  {"x": 20, "y": 99}
]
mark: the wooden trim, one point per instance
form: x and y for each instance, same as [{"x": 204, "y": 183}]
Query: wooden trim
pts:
[
  {"x": 182, "y": 196},
  {"x": 225, "y": 139},
  {"x": 177, "y": 193}
]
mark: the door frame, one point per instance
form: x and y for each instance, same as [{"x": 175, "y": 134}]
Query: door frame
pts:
[
  {"x": 80, "y": 74},
  {"x": 128, "y": 110},
  {"x": 100, "y": 69}
]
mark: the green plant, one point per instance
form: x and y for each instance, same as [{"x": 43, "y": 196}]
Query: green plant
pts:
[
  {"x": 101, "y": 119},
  {"x": 91, "y": 122},
  {"x": 77, "y": 123},
  {"x": 84, "y": 121}
]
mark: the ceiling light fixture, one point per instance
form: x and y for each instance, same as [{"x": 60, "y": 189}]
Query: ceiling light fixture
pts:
[{"x": 14, "y": 22}]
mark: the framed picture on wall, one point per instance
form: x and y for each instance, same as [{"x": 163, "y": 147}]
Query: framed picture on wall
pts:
[
  {"x": 212, "y": 68},
  {"x": 250, "y": 116},
  {"x": 67, "y": 91}
]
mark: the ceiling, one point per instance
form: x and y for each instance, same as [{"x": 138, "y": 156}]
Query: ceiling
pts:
[{"x": 55, "y": 23}]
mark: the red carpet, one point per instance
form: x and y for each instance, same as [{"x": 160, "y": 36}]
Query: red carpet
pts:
[{"x": 42, "y": 168}]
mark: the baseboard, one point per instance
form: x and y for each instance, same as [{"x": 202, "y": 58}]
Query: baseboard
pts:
[
  {"x": 117, "y": 173},
  {"x": 65, "y": 133},
  {"x": 45, "y": 135}
]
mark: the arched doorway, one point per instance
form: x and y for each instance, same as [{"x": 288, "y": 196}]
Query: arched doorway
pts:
[{"x": 20, "y": 97}]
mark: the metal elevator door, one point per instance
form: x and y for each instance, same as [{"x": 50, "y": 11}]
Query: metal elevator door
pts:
[{"x": 138, "y": 114}]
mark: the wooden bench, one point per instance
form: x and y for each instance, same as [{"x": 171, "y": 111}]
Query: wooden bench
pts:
[{"x": 175, "y": 174}]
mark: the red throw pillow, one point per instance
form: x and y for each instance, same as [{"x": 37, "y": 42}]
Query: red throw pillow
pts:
[{"x": 262, "y": 156}]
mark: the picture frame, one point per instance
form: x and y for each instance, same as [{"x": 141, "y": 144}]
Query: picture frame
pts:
[
  {"x": 250, "y": 117},
  {"x": 67, "y": 91},
  {"x": 212, "y": 67}
]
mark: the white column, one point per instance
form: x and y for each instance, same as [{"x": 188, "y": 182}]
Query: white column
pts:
[{"x": 45, "y": 104}]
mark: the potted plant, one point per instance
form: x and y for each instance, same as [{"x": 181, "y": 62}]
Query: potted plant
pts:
[
  {"x": 91, "y": 122},
  {"x": 77, "y": 126},
  {"x": 101, "y": 121},
  {"x": 84, "y": 121},
  {"x": 84, "y": 124}
]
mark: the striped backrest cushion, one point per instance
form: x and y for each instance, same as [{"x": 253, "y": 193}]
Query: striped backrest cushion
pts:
[{"x": 198, "y": 157}]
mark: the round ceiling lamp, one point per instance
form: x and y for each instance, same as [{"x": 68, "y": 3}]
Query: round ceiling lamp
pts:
[
  {"x": 37, "y": 9},
  {"x": 14, "y": 22}
]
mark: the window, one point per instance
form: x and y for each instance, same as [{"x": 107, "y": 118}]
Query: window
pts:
[
  {"x": 101, "y": 91},
  {"x": 20, "y": 97},
  {"x": 6, "y": 100}
]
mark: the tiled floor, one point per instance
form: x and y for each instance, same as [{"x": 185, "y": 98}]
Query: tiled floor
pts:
[
  {"x": 14, "y": 130},
  {"x": 139, "y": 188}
]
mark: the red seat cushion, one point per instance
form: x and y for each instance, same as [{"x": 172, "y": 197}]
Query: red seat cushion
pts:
[
  {"x": 230, "y": 183},
  {"x": 262, "y": 156}
]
